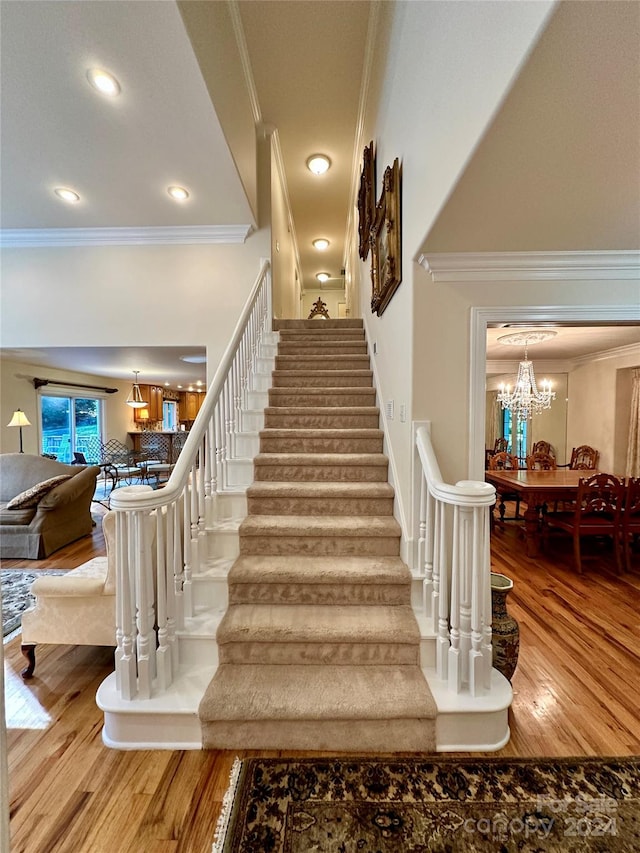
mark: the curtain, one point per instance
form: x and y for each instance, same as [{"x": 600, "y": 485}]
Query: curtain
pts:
[
  {"x": 493, "y": 419},
  {"x": 633, "y": 448}
]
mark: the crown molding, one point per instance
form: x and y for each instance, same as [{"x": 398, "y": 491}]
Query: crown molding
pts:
[
  {"x": 243, "y": 50},
  {"x": 148, "y": 236},
  {"x": 531, "y": 266}
]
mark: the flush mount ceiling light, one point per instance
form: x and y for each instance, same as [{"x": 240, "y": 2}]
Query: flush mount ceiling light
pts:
[
  {"x": 135, "y": 399},
  {"x": 104, "y": 82},
  {"x": 178, "y": 193},
  {"x": 67, "y": 195},
  {"x": 194, "y": 359},
  {"x": 323, "y": 276},
  {"x": 321, "y": 244},
  {"x": 318, "y": 164}
]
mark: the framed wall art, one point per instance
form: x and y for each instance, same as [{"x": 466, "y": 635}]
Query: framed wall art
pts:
[
  {"x": 366, "y": 199},
  {"x": 386, "y": 244}
]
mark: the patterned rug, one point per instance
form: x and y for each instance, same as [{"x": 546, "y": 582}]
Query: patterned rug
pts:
[
  {"x": 444, "y": 805},
  {"x": 16, "y": 597}
]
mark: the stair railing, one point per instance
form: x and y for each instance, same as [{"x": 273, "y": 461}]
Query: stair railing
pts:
[
  {"x": 454, "y": 562},
  {"x": 161, "y": 535}
]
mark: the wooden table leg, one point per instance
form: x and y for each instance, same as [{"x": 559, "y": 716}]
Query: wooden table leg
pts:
[{"x": 532, "y": 530}]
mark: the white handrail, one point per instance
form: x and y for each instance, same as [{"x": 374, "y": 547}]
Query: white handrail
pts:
[
  {"x": 160, "y": 535},
  {"x": 454, "y": 563}
]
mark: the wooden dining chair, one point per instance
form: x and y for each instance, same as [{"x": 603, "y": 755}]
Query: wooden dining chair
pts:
[
  {"x": 504, "y": 461},
  {"x": 630, "y": 518},
  {"x": 584, "y": 458},
  {"x": 542, "y": 447},
  {"x": 541, "y": 462},
  {"x": 597, "y": 512}
]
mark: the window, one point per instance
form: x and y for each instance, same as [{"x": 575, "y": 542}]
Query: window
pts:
[
  {"x": 516, "y": 434},
  {"x": 71, "y": 424}
]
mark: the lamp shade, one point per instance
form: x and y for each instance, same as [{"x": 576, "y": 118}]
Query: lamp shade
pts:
[
  {"x": 135, "y": 398},
  {"x": 19, "y": 419}
]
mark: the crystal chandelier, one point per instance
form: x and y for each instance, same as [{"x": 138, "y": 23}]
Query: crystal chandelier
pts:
[{"x": 526, "y": 398}]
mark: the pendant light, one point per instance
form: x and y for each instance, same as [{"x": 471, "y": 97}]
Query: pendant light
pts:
[{"x": 135, "y": 399}]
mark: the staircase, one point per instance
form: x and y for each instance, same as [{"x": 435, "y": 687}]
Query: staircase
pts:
[{"x": 319, "y": 648}]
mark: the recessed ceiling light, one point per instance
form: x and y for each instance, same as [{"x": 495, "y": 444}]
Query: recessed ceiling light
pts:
[
  {"x": 67, "y": 195},
  {"x": 104, "y": 82},
  {"x": 166, "y": 384},
  {"x": 318, "y": 164},
  {"x": 178, "y": 193},
  {"x": 179, "y": 386},
  {"x": 321, "y": 244},
  {"x": 194, "y": 359},
  {"x": 323, "y": 276}
]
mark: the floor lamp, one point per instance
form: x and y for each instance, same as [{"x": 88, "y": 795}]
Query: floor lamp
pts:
[{"x": 20, "y": 420}]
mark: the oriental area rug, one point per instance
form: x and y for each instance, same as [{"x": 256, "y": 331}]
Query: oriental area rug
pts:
[
  {"x": 439, "y": 805},
  {"x": 16, "y": 597}
]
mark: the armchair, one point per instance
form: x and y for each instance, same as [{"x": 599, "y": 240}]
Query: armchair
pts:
[{"x": 79, "y": 607}]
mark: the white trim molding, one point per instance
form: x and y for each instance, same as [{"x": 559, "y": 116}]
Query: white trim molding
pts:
[
  {"x": 531, "y": 266},
  {"x": 22, "y": 238}
]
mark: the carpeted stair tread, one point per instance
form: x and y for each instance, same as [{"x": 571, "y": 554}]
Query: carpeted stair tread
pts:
[
  {"x": 319, "y": 570},
  {"x": 304, "y": 489},
  {"x": 306, "y": 623},
  {"x": 322, "y": 417},
  {"x": 321, "y": 378},
  {"x": 332, "y": 396},
  {"x": 317, "y": 325},
  {"x": 331, "y": 432},
  {"x": 344, "y": 459},
  {"x": 321, "y": 441},
  {"x": 317, "y": 692},
  {"x": 335, "y": 361},
  {"x": 327, "y": 525}
]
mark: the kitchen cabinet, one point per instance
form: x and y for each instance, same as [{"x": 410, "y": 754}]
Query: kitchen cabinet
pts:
[
  {"x": 153, "y": 395},
  {"x": 189, "y": 405}
]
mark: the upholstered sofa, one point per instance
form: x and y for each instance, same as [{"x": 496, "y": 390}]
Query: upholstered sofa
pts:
[
  {"x": 48, "y": 515},
  {"x": 79, "y": 607}
]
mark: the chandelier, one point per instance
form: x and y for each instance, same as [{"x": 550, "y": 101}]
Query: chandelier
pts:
[{"x": 526, "y": 398}]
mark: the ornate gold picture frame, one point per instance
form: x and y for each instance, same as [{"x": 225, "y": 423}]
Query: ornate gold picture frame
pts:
[
  {"x": 366, "y": 199},
  {"x": 386, "y": 244}
]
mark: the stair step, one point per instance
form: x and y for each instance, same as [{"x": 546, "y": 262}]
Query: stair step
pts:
[
  {"x": 290, "y": 634},
  {"x": 321, "y": 441},
  {"x": 319, "y": 580},
  {"x": 317, "y": 325},
  {"x": 322, "y": 417},
  {"x": 322, "y": 378},
  {"x": 323, "y": 347},
  {"x": 321, "y": 334},
  {"x": 321, "y": 362},
  {"x": 320, "y": 498},
  {"x": 334, "y": 467},
  {"x": 332, "y": 397},
  {"x": 321, "y": 708},
  {"x": 324, "y": 535}
]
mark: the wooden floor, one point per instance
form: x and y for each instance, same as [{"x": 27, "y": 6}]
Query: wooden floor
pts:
[{"x": 576, "y": 693}]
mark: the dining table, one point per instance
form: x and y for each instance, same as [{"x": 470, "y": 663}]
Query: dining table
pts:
[{"x": 537, "y": 489}]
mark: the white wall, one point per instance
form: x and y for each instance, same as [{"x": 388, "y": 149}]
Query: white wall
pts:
[
  {"x": 17, "y": 392},
  {"x": 599, "y": 407},
  {"x": 286, "y": 287},
  {"x": 126, "y": 295},
  {"x": 331, "y": 299},
  {"x": 448, "y": 67}
]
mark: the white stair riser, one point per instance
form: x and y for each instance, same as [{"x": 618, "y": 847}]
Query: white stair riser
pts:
[
  {"x": 247, "y": 444},
  {"x": 257, "y": 399},
  {"x": 252, "y": 420},
  {"x": 228, "y": 505},
  {"x": 193, "y": 650},
  {"x": 211, "y": 593},
  {"x": 260, "y": 382},
  {"x": 225, "y": 544},
  {"x": 239, "y": 473}
]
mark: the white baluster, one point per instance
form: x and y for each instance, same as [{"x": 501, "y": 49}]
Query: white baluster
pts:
[
  {"x": 125, "y": 661},
  {"x": 145, "y": 642},
  {"x": 441, "y": 591},
  {"x": 484, "y": 594},
  {"x": 454, "y": 666},
  {"x": 172, "y": 525},
  {"x": 163, "y": 654}
]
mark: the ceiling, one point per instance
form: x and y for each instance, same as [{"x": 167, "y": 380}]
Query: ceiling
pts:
[
  {"x": 120, "y": 154},
  {"x": 569, "y": 342}
]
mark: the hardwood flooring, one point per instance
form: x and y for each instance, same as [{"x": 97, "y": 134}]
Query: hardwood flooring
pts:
[{"x": 576, "y": 693}]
